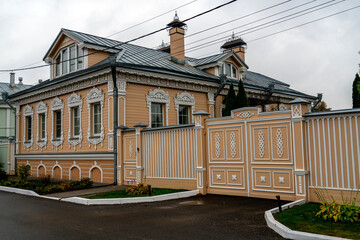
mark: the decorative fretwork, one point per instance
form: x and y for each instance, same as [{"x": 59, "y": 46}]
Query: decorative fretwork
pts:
[
  {"x": 217, "y": 145},
  {"x": 186, "y": 99},
  {"x": 57, "y": 105},
  {"x": 279, "y": 143},
  {"x": 232, "y": 144},
  {"x": 74, "y": 100},
  {"x": 261, "y": 144},
  {"x": 130, "y": 149},
  {"x": 296, "y": 111},
  {"x": 94, "y": 96},
  {"x": 41, "y": 108},
  {"x": 245, "y": 115}
]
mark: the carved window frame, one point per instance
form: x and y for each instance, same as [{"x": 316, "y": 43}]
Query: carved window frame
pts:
[
  {"x": 95, "y": 95},
  {"x": 28, "y": 112},
  {"x": 74, "y": 100},
  {"x": 57, "y": 105},
  {"x": 158, "y": 96},
  {"x": 184, "y": 99},
  {"x": 41, "y": 108}
]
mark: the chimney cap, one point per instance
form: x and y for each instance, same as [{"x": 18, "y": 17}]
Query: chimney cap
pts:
[
  {"x": 233, "y": 42},
  {"x": 176, "y": 22}
]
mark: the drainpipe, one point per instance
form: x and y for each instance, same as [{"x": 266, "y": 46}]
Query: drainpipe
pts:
[
  {"x": 319, "y": 97},
  {"x": 5, "y": 97},
  {"x": 222, "y": 85},
  {"x": 115, "y": 117},
  {"x": 269, "y": 93}
]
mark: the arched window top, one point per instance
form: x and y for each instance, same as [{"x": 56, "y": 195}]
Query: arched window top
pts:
[{"x": 69, "y": 59}]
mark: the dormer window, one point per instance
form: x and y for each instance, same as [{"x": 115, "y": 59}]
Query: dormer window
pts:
[
  {"x": 69, "y": 60},
  {"x": 230, "y": 70}
]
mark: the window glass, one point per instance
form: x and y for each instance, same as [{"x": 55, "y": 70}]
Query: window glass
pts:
[
  {"x": 57, "y": 124},
  {"x": 233, "y": 74},
  {"x": 28, "y": 128},
  {"x": 79, "y": 59},
  {"x": 72, "y": 58},
  {"x": 58, "y": 65},
  {"x": 76, "y": 121},
  {"x": 228, "y": 69},
  {"x": 65, "y": 62},
  {"x": 97, "y": 118},
  {"x": 183, "y": 114},
  {"x": 42, "y": 126},
  {"x": 157, "y": 115}
]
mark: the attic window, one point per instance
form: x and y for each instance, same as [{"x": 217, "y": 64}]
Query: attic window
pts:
[
  {"x": 230, "y": 70},
  {"x": 69, "y": 60}
]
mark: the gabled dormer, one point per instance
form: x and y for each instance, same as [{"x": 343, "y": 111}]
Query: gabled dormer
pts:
[{"x": 74, "y": 51}]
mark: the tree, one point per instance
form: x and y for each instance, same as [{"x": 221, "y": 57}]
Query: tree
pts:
[
  {"x": 230, "y": 101},
  {"x": 241, "y": 98},
  {"x": 321, "y": 107},
  {"x": 356, "y": 92}
]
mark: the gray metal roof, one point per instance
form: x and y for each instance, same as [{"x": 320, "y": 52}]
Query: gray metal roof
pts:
[{"x": 5, "y": 87}]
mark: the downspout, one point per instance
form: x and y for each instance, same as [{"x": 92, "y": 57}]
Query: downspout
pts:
[
  {"x": 319, "y": 98},
  {"x": 222, "y": 85},
  {"x": 6, "y": 100},
  {"x": 269, "y": 92},
  {"x": 115, "y": 117}
]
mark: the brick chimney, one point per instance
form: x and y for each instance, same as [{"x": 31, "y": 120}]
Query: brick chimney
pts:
[
  {"x": 235, "y": 44},
  {"x": 177, "y": 31}
]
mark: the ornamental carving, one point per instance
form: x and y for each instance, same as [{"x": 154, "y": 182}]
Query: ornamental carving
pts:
[
  {"x": 279, "y": 143},
  {"x": 28, "y": 112},
  {"x": 41, "y": 108},
  {"x": 217, "y": 145},
  {"x": 57, "y": 105},
  {"x": 296, "y": 111},
  {"x": 245, "y": 115},
  {"x": 186, "y": 99},
  {"x": 232, "y": 144},
  {"x": 158, "y": 96},
  {"x": 261, "y": 143},
  {"x": 74, "y": 100},
  {"x": 95, "y": 95},
  {"x": 281, "y": 180}
]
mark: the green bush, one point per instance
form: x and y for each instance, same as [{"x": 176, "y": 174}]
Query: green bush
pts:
[
  {"x": 24, "y": 171},
  {"x": 139, "y": 189},
  {"x": 3, "y": 174},
  {"x": 347, "y": 211},
  {"x": 46, "y": 180}
]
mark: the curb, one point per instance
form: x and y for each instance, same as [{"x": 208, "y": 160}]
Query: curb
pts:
[
  {"x": 286, "y": 232},
  {"x": 113, "y": 201}
]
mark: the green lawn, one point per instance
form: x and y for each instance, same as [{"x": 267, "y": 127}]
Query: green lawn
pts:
[
  {"x": 122, "y": 193},
  {"x": 302, "y": 218}
]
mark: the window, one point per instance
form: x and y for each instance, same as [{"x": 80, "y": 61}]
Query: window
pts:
[
  {"x": 184, "y": 114},
  {"x": 42, "y": 126},
  {"x": 230, "y": 70},
  {"x": 96, "y": 118},
  {"x": 76, "y": 121},
  {"x": 157, "y": 115},
  {"x": 28, "y": 136},
  {"x": 57, "y": 124},
  {"x": 69, "y": 60}
]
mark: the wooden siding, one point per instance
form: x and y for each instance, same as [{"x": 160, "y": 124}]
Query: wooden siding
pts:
[{"x": 94, "y": 58}]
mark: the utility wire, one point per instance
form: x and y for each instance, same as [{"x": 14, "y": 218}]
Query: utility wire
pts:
[
  {"x": 122, "y": 43},
  {"x": 148, "y": 20}
]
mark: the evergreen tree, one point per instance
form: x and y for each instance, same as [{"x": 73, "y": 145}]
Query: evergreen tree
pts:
[
  {"x": 230, "y": 101},
  {"x": 356, "y": 92},
  {"x": 241, "y": 98}
]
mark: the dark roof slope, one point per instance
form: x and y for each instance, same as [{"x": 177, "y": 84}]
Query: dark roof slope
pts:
[{"x": 6, "y": 88}]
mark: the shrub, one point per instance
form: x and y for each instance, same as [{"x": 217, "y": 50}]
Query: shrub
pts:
[
  {"x": 139, "y": 189},
  {"x": 3, "y": 174},
  {"x": 347, "y": 211},
  {"x": 24, "y": 171},
  {"x": 65, "y": 186},
  {"x": 46, "y": 180}
]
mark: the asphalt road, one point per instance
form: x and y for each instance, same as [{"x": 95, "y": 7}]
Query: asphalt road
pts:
[{"x": 207, "y": 217}]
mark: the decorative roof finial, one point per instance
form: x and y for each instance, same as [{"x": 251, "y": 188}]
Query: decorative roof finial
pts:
[
  {"x": 233, "y": 35},
  {"x": 176, "y": 16}
]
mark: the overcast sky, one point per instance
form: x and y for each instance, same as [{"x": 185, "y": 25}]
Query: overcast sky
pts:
[{"x": 319, "y": 57}]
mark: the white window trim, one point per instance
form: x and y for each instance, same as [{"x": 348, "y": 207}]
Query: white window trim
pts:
[
  {"x": 74, "y": 100},
  {"x": 60, "y": 53},
  {"x": 158, "y": 96},
  {"x": 28, "y": 111},
  {"x": 56, "y": 105},
  {"x": 41, "y": 108},
  {"x": 232, "y": 66},
  {"x": 95, "y": 95},
  {"x": 185, "y": 99}
]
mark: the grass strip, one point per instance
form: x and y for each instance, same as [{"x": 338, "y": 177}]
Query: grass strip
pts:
[{"x": 302, "y": 218}]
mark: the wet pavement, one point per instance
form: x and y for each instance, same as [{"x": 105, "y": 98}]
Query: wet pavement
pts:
[{"x": 203, "y": 217}]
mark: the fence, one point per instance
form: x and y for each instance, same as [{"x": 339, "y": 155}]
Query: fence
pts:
[{"x": 288, "y": 153}]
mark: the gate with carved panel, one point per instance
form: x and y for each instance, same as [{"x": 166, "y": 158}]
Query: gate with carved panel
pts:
[{"x": 257, "y": 154}]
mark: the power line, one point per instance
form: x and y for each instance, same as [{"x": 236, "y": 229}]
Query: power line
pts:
[
  {"x": 148, "y": 20},
  {"x": 120, "y": 44}
]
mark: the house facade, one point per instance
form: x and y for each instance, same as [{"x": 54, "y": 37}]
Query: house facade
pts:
[{"x": 65, "y": 125}]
